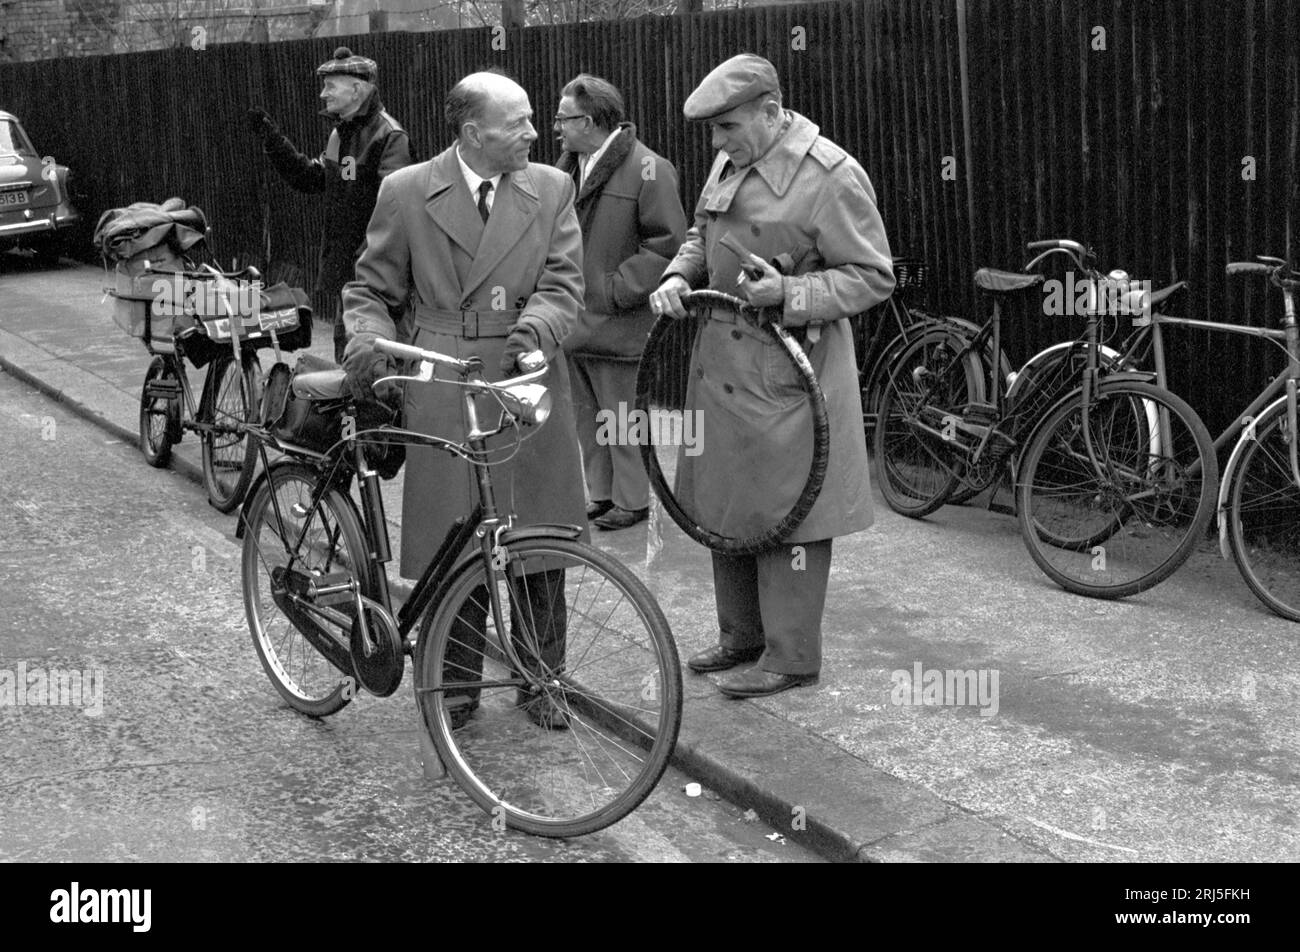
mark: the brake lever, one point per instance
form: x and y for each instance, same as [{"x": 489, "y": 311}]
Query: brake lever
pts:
[{"x": 424, "y": 376}]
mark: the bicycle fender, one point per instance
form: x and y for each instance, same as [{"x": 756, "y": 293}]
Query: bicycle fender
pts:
[
  {"x": 1128, "y": 376},
  {"x": 541, "y": 530},
  {"x": 1229, "y": 472},
  {"x": 1119, "y": 376}
]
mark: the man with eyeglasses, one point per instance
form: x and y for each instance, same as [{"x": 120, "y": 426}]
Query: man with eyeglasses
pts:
[
  {"x": 489, "y": 244},
  {"x": 632, "y": 224}
]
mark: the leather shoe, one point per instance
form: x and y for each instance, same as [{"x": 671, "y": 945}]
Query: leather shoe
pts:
[
  {"x": 719, "y": 658},
  {"x": 755, "y": 682},
  {"x": 598, "y": 507},
  {"x": 618, "y": 518},
  {"x": 542, "y": 710}
]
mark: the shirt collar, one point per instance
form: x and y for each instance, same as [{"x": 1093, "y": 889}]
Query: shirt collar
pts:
[
  {"x": 473, "y": 179},
  {"x": 595, "y": 156}
]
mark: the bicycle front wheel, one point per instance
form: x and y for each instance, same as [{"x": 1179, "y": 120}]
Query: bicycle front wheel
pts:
[
  {"x": 1114, "y": 510},
  {"x": 231, "y": 398},
  {"x": 928, "y": 384},
  {"x": 303, "y": 645},
  {"x": 1264, "y": 515},
  {"x": 577, "y": 736}
]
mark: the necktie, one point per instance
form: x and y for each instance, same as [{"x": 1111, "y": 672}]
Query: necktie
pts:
[{"x": 483, "y": 189}]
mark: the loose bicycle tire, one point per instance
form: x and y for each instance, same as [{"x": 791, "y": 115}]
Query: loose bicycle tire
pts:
[
  {"x": 1264, "y": 515},
  {"x": 1145, "y": 513},
  {"x": 651, "y": 359},
  {"x": 616, "y": 679}
]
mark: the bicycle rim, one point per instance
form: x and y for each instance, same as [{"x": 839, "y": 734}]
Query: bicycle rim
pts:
[
  {"x": 231, "y": 399},
  {"x": 602, "y": 671},
  {"x": 1264, "y": 517},
  {"x": 1125, "y": 523},
  {"x": 918, "y": 471},
  {"x": 325, "y": 542}
]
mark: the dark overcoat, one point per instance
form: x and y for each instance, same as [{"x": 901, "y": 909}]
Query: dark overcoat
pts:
[
  {"x": 426, "y": 236},
  {"x": 807, "y": 198},
  {"x": 361, "y": 151},
  {"x": 632, "y": 224}
]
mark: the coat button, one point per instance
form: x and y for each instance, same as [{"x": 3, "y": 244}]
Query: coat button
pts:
[
  {"x": 729, "y": 388},
  {"x": 737, "y": 335},
  {"x": 755, "y": 230}
]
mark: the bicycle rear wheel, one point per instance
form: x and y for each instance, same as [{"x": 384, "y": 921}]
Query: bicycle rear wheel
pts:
[
  {"x": 1125, "y": 523},
  {"x": 232, "y": 396},
  {"x": 159, "y": 410},
  {"x": 1264, "y": 516},
  {"x": 917, "y": 470},
  {"x": 579, "y": 739},
  {"x": 303, "y": 647}
]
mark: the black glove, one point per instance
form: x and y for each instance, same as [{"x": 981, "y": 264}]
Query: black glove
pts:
[
  {"x": 363, "y": 368},
  {"x": 522, "y": 340},
  {"x": 260, "y": 124}
]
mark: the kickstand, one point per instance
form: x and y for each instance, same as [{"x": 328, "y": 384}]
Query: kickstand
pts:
[{"x": 434, "y": 768}]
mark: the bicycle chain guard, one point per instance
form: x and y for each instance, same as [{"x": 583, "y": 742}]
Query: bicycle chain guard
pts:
[{"x": 377, "y": 656}]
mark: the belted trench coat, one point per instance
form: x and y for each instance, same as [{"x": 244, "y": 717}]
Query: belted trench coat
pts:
[
  {"x": 808, "y": 198},
  {"x": 524, "y": 267}
]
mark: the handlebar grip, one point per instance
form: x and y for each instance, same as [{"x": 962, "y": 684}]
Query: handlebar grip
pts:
[
  {"x": 1063, "y": 243},
  {"x": 398, "y": 350},
  {"x": 1248, "y": 267}
]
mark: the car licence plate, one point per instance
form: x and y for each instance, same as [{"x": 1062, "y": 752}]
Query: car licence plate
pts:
[{"x": 13, "y": 198}]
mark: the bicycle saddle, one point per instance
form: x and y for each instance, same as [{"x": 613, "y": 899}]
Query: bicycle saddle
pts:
[
  {"x": 319, "y": 385},
  {"x": 1002, "y": 282}
]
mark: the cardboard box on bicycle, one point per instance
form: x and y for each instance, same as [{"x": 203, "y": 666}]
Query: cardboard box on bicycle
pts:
[{"x": 134, "y": 293}]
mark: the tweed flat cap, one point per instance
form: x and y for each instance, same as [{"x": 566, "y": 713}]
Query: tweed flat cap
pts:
[
  {"x": 346, "y": 63},
  {"x": 738, "y": 80}
]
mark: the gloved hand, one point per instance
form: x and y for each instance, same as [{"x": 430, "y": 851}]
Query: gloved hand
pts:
[
  {"x": 261, "y": 124},
  {"x": 363, "y": 368},
  {"x": 521, "y": 340}
]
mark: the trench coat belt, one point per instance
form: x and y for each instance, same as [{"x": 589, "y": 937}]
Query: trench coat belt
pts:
[{"x": 467, "y": 324}]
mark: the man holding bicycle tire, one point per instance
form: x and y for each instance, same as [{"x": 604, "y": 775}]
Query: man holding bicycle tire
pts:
[{"x": 789, "y": 195}]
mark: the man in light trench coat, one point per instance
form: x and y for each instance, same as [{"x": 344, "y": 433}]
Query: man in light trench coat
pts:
[
  {"x": 490, "y": 244},
  {"x": 781, "y": 188}
]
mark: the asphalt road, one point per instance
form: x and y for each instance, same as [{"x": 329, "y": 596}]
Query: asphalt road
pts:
[{"x": 178, "y": 748}]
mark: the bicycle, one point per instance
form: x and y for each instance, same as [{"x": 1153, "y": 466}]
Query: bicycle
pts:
[
  {"x": 1114, "y": 475},
  {"x": 176, "y": 330},
  {"x": 600, "y": 689}
]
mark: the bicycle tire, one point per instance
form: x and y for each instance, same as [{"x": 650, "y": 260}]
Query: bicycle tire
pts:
[
  {"x": 618, "y": 684},
  {"x": 648, "y": 370},
  {"x": 1264, "y": 515},
  {"x": 1153, "y": 504},
  {"x": 231, "y": 397},
  {"x": 157, "y": 414},
  {"x": 916, "y": 472},
  {"x": 310, "y": 680}
]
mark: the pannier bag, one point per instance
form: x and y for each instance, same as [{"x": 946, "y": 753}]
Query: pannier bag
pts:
[{"x": 317, "y": 425}]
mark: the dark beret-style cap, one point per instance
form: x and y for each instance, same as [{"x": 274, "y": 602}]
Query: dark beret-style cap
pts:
[
  {"x": 737, "y": 81},
  {"x": 345, "y": 63}
]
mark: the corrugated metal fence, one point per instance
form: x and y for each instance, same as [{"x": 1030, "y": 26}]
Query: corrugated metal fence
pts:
[{"x": 1166, "y": 133}]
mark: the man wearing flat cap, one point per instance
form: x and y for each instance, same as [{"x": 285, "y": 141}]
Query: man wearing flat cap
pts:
[
  {"x": 364, "y": 146},
  {"x": 788, "y": 195}
]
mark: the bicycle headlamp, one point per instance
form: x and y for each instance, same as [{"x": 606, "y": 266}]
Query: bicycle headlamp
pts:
[{"x": 529, "y": 402}]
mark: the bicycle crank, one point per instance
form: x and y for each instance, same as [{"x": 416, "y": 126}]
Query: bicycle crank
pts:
[{"x": 377, "y": 656}]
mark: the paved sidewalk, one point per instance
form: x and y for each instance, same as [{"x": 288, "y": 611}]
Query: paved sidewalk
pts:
[{"x": 1161, "y": 728}]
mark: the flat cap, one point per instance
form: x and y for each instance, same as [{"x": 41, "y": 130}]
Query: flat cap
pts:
[
  {"x": 739, "y": 80},
  {"x": 346, "y": 63}
]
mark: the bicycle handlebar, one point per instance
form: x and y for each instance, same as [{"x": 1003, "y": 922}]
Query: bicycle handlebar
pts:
[
  {"x": 462, "y": 367},
  {"x": 1275, "y": 270},
  {"x": 1065, "y": 244}
]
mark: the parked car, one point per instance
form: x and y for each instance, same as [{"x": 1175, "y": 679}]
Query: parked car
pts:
[{"x": 36, "y": 209}]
